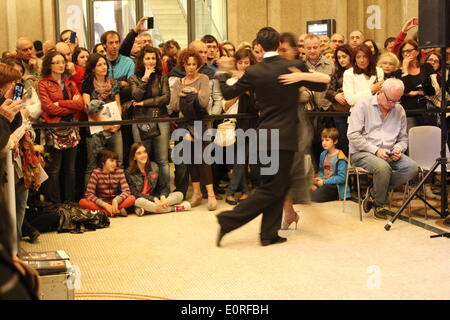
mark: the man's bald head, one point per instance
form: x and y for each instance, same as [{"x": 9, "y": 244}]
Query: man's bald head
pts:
[
  {"x": 25, "y": 49},
  {"x": 65, "y": 50},
  {"x": 201, "y": 48},
  {"x": 47, "y": 46}
]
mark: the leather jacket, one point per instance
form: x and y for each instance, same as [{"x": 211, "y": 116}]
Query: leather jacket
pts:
[
  {"x": 50, "y": 92},
  {"x": 154, "y": 94}
]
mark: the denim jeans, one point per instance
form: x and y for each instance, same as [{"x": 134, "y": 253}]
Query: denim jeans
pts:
[
  {"x": 387, "y": 175},
  {"x": 62, "y": 164},
  {"x": 173, "y": 199},
  {"x": 158, "y": 148},
  {"x": 342, "y": 126},
  {"x": 238, "y": 181},
  {"x": 98, "y": 142}
]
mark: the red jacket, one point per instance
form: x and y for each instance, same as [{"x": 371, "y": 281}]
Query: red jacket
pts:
[{"x": 50, "y": 92}]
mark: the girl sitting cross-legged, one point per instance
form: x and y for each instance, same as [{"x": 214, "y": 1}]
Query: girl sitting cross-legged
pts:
[
  {"x": 107, "y": 189},
  {"x": 142, "y": 176}
]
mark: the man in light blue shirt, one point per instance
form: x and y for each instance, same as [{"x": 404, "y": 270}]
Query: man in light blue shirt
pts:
[
  {"x": 120, "y": 67},
  {"x": 378, "y": 140}
]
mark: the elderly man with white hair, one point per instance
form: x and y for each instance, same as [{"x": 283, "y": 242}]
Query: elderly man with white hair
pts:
[
  {"x": 27, "y": 55},
  {"x": 378, "y": 140}
]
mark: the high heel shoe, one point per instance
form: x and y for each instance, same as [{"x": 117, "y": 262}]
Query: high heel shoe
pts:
[
  {"x": 195, "y": 201},
  {"x": 212, "y": 206},
  {"x": 285, "y": 225}
]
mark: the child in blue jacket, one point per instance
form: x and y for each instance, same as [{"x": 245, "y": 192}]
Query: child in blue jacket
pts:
[{"x": 330, "y": 182}]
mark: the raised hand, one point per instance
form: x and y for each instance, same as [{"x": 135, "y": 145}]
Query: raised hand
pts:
[
  {"x": 140, "y": 25},
  {"x": 409, "y": 25}
]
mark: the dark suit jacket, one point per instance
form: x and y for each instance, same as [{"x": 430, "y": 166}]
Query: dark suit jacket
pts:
[{"x": 276, "y": 102}]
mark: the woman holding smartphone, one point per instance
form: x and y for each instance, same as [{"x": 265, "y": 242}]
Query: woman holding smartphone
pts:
[
  {"x": 151, "y": 95},
  {"x": 30, "y": 99}
]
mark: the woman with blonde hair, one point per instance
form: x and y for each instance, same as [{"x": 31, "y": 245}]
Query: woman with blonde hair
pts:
[{"x": 389, "y": 63}]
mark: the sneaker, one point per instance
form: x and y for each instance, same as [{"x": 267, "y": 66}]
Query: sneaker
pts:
[
  {"x": 139, "y": 212},
  {"x": 367, "y": 203},
  {"x": 380, "y": 213},
  {"x": 184, "y": 206}
]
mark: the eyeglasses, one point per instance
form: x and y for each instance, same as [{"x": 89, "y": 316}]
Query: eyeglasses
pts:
[
  {"x": 407, "y": 51},
  {"x": 433, "y": 60},
  {"x": 389, "y": 100}
]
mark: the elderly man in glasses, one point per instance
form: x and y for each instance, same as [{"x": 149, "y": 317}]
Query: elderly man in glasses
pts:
[{"x": 378, "y": 140}]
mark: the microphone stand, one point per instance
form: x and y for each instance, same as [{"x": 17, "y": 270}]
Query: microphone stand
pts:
[{"x": 442, "y": 161}]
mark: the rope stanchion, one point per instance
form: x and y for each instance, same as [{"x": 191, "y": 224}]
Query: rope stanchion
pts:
[
  {"x": 207, "y": 118},
  {"x": 131, "y": 122}
]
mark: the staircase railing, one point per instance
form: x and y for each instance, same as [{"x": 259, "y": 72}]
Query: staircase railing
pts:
[{"x": 207, "y": 13}]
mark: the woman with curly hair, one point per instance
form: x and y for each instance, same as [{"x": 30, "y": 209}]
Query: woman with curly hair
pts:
[{"x": 190, "y": 95}]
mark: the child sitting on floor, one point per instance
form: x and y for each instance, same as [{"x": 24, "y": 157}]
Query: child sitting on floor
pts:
[
  {"x": 329, "y": 185},
  {"x": 142, "y": 177},
  {"x": 107, "y": 189}
]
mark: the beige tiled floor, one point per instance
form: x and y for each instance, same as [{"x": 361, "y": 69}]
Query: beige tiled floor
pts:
[{"x": 331, "y": 256}]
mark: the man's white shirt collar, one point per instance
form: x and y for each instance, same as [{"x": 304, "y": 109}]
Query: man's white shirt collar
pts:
[{"x": 270, "y": 54}]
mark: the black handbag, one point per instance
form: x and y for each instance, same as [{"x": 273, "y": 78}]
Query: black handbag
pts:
[{"x": 148, "y": 130}]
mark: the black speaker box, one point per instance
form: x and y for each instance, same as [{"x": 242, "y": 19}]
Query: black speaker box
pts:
[{"x": 434, "y": 24}]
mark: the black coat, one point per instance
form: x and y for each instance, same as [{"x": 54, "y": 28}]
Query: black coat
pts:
[{"x": 277, "y": 103}]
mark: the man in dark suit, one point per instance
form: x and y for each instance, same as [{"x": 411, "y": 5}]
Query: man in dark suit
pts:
[{"x": 277, "y": 104}]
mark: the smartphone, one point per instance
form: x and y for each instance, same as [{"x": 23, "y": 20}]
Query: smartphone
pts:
[
  {"x": 416, "y": 21},
  {"x": 150, "y": 23},
  {"x": 73, "y": 36},
  {"x": 18, "y": 92},
  {"x": 390, "y": 152}
]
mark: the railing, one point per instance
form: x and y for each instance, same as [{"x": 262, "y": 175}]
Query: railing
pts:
[
  {"x": 207, "y": 118},
  {"x": 183, "y": 5},
  {"x": 208, "y": 20}
]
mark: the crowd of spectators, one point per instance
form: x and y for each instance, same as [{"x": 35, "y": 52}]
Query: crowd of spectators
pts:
[{"x": 126, "y": 169}]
